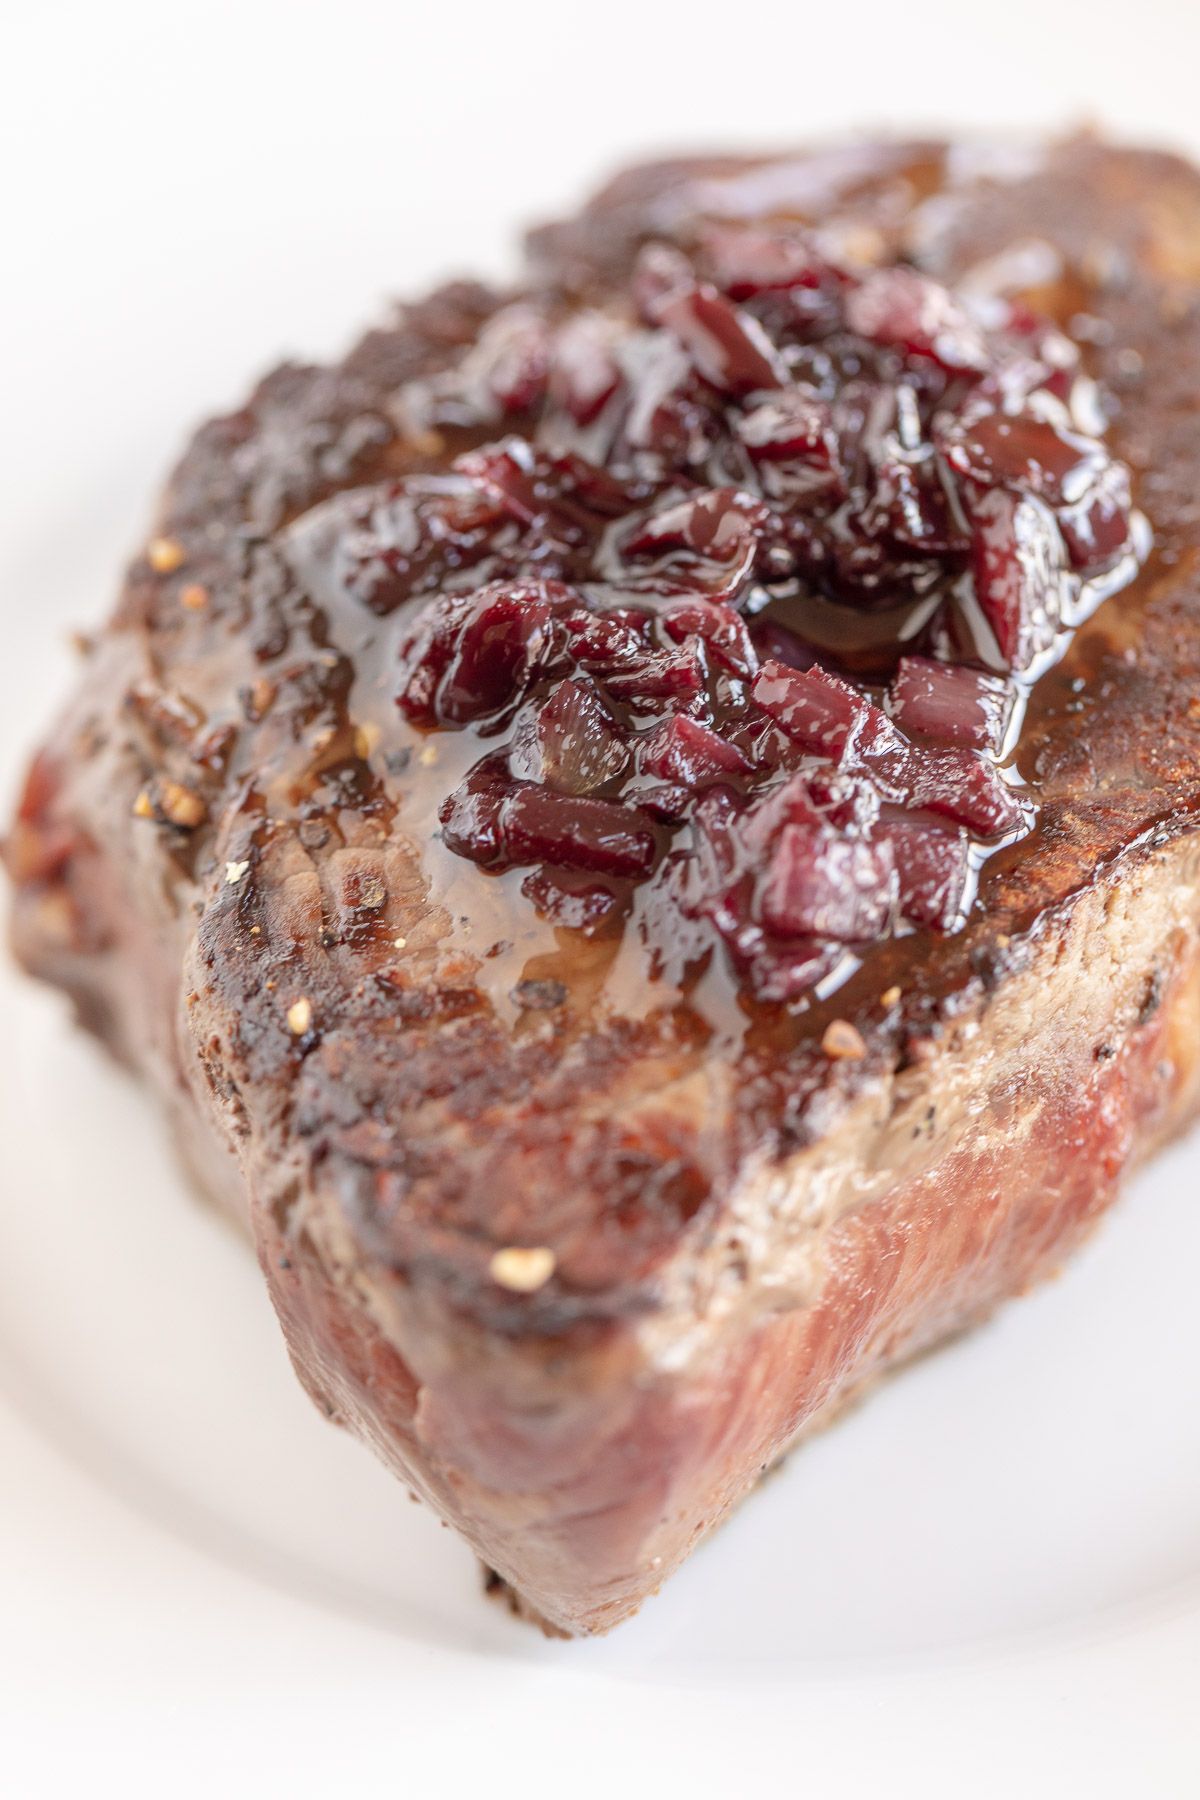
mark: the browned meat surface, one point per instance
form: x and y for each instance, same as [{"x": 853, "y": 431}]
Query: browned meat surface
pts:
[{"x": 579, "y": 1211}]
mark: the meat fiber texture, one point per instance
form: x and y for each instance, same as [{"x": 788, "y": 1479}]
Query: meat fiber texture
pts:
[{"x": 578, "y": 1257}]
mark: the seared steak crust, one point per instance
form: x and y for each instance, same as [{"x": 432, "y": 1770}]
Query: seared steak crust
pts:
[{"x": 395, "y": 1071}]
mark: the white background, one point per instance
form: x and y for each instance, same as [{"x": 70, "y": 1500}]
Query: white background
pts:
[{"x": 201, "y": 1590}]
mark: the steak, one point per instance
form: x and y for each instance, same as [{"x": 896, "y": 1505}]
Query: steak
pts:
[{"x": 643, "y": 826}]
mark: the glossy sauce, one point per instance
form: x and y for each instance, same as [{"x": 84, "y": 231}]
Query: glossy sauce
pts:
[{"x": 635, "y": 972}]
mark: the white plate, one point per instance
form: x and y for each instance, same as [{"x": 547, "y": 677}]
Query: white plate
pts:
[{"x": 987, "y": 1580}]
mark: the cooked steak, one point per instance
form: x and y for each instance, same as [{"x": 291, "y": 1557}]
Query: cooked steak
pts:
[{"x": 643, "y": 826}]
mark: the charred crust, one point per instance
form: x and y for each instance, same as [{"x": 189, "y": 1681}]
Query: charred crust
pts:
[
  {"x": 1152, "y": 999},
  {"x": 498, "y": 1589},
  {"x": 447, "y": 1104}
]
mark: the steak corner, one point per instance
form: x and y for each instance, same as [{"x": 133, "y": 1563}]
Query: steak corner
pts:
[{"x": 585, "y": 1183}]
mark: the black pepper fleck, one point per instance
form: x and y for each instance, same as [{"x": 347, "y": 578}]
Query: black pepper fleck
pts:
[{"x": 539, "y": 996}]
